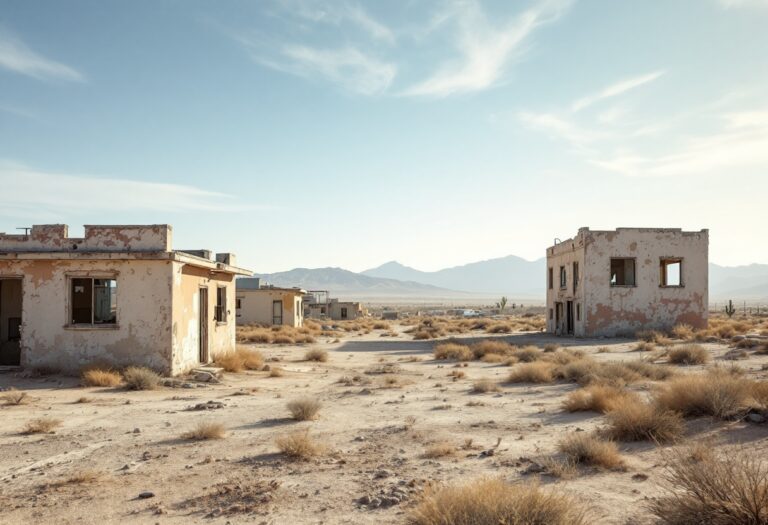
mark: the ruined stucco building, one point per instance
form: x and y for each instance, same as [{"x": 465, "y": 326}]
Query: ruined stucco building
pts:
[
  {"x": 609, "y": 283},
  {"x": 318, "y": 304},
  {"x": 118, "y": 296},
  {"x": 268, "y": 305}
]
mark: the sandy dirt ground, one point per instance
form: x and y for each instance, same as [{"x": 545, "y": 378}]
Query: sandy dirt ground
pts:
[{"x": 376, "y": 429}]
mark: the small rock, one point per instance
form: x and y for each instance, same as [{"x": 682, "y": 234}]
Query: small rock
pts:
[
  {"x": 146, "y": 494},
  {"x": 382, "y": 474},
  {"x": 137, "y": 430},
  {"x": 756, "y": 418}
]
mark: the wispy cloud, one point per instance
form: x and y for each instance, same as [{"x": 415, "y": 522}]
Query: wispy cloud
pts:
[
  {"x": 338, "y": 13},
  {"x": 560, "y": 127},
  {"x": 27, "y": 191},
  {"x": 729, "y": 4},
  {"x": 17, "y": 57},
  {"x": 485, "y": 49},
  {"x": 616, "y": 89}
]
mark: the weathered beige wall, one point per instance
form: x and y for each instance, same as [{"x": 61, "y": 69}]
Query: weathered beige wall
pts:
[
  {"x": 256, "y": 307},
  {"x": 354, "y": 310},
  {"x": 55, "y": 237},
  {"x": 565, "y": 254},
  {"x": 142, "y": 335},
  {"x": 186, "y": 315},
  {"x": 622, "y": 310}
]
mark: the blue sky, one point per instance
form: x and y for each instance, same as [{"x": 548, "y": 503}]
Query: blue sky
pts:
[{"x": 343, "y": 133}]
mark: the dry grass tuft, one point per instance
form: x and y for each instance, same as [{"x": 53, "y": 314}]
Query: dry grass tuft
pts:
[
  {"x": 597, "y": 398},
  {"x": 538, "y": 372},
  {"x": 304, "y": 409},
  {"x": 726, "y": 489},
  {"x": 101, "y": 377},
  {"x": 205, "y": 430},
  {"x": 316, "y": 354},
  {"x": 690, "y": 354},
  {"x": 15, "y": 397},
  {"x": 440, "y": 450},
  {"x": 276, "y": 371},
  {"x": 717, "y": 393},
  {"x": 492, "y": 501},
  {"x": 634, "y": 420},
  {"x": 453, "y": 351},
  {"x": 82, "y": 477},
  {"x": 141, "y": 378},
  {"x": 588, "y": 449},
  {"x": 42, "y": 425},
  {"x": 299, "y": 445},
  {"x": 683, "y": 331},
  {"x": 282, "y": 339},
  {"x": 528, "y": 354},
  {"x": 491, "y": 347},
  {"x": 230, "y": 362},
  {"x": 252, "y": 359},
  {"x": 485, "y": 385},
  {"x": 645, "y": 346}
]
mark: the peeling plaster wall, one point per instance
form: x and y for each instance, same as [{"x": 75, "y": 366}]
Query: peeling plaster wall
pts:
[
  {"x": 186, "y": 315},
  {"x": 141, "y": 337},
  {"x": 55, "y": 237},
  {"x": 256, "y": 307},
  {"x": 565, "y": 254}
]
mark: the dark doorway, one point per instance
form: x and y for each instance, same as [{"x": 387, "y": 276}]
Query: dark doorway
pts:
[
  {"x": 558, "y": 318},
  {"x": 10, "y": 322},
  {"x": 203, "y": 348},
  {"x": 277, "y": 312},
  {"x": 569, "y": 317}
]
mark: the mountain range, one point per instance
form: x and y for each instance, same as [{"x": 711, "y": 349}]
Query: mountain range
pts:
[{"x": 513, "y": 276}]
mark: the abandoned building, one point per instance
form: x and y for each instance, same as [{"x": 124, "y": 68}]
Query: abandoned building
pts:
[
  {"x": 319, "y": 305},
  {"x": 118, "y": 296},
  {"x": 268, "y": 305},
  {"x": 612, "y": 283}
]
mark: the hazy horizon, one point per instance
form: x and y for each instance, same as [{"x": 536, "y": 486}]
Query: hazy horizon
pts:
[{"x": 300, "y": 133}]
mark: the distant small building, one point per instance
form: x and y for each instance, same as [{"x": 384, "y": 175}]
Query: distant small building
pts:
[
  {"x": 319, "y": 305},
  {"x": 609, "y": 283},
  {"x": 346, "y": 310},
  {"x": 268, "y": 305},
  {"x": 118, "y": 296}
]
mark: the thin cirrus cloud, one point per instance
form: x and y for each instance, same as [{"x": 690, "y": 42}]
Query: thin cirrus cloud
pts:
[
  {"x": 30, "y": 191},
  {"x": 616, "y": 89},
  {"x": 338, "y": 14},
  {"x": 16, "y": 56},
  {"x": 485, "y": 50}
]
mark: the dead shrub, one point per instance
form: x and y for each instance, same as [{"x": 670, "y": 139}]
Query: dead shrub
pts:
[
  {"x": 304, "y": 409},
  {"x": 645, "y": 346},
  {"x": 82, "y": 477},
  {"x": 230, "y": 362},
  {"x": 494, "y": 358},
  {"x": 718, "y": 394},
  {"x": 141, "y": 378},
  {"x": 101, "y": 377},
  {"x": 439, "y": 450},
  {"x": 381, "y": 325},
  {"x": 251, "y": 359},
  {"x": 634, "y": 420},
  {"x": 15, "y": 397},
  {"x": 316, "y": 354},
  {"x": 283, "y": 340},
  {"x": 683, "y": 331},
  {"x": 490, "y": 346},
  {"x": 83, "y": 399},
  {"x": 299, "y": 445},
  {"x": 537, "y": 372},
  {"x": 597, "y": 398},
  {"x": 483, "y": 386},
  {"x": 730, "y": 488},
  {"x": 528, "y": 354},
  {"x": 453, "y": 351},
  {"x": 690, "y": 354},
  {"x": 204, "y": 431},
  {"x": 551, "y": 347},
  {"x": 276, "y": 371},
  {"x": 650, "y": 370},
  {"x": 590, "y": 449},
  {"x": 304, "y": 339},
  {"x": 492, "y": 501},
  {"x": 41, "y": 425},
  {"x": 499, "y": 328},
  {"x": 421, "y": 335}
]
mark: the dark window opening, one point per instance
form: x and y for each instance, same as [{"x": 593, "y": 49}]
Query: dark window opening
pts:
[
  {"x": 575, "y": 276},
  {"x": 563, "y": 278},
  {"x": 578, "y": 311},
  {"x": 221, "y": 304},
  {"x": 622, "y": 272},
  {"x": 550, "y": 279},
  {"x": 277, "y": 312},
  {"x": 671, "y": 272},
  {"x": 551, "y": 314},
  {"x": 343, "y": 313},
  {"x": 93, "y": 301}
]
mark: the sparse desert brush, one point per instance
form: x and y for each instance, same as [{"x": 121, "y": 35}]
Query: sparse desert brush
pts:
[
  {"x": 299, "y": 445},
  {"x": 653, "y": 336},
  {"x": 453, "y": 351},
  {"x": 493, "y": 358},
  {"x": 718, "y": 394},
  {"x": 316, "y": 354},
  {"x": 563, "y": 357},
  {"x": 586, "y": 371},
  {"x": 381, "y": 325},
  {"x": 551, "y": 347},
  {"x": 304, "y": 409},
  {"x": 683, "y": 331},
  {"x": 499, "y": 328},
  {"x": 597, "y": 398},
  {"x": 205, "y": 430},
  {"x": 635, "y": 420},
  {"x": 252, "y": 359},
  {"x": 304, "y": 339},
  {"x": 392, "y": 382},
  {"x": 730, "y": 488},
  {"x": 141, "y": 378},
  {"x": 537, "y": 372},
  {"x": 15, "y": 397},
  {"x": 276, "y": 371},
  {"x": 590, "y": 449},
  {"x": 283, "y": 340},
  {"x": 440, "y": 450},
  {"x": 83, "y": 399},
  {"x": 645, "y": 346},
  {"x": 230, "y": 362},
  {"x": 482, "y": 386},
  {"x": 41, "y": 425},
  {"x": 82, "y": 477},
  {"x": 748, "y": 342},
  {"x": 603, "y": 349},
  {"x": 422, "y": 335},
  {"x": 101, "y": 377},
  {"x": 690, "y": 354},
  {"x": 493, "y": 501},
  {"x": 528, "y": 354},
  {"x": 651, "y": 371},
  {"x": 457, "y": 374},
  {"x": 490, "y": 346}
]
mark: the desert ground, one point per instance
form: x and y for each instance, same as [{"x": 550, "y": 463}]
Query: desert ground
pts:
[{"x": 394, "y": 424}]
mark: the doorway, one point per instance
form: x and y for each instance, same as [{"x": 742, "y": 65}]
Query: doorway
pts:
[
  {"x": 203, "y": 322},
  {"x": 569, "y": 317},
  {"x": 277, "y": 312},
  {"x": 558, "y": 318},
  {"x": 10, "y": 322}
]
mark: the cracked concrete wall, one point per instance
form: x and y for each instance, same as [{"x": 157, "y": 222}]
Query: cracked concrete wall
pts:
[
  {"x": 142, "y": 335},
  {"x": 565, "y": 254},
  {"x": 55, "y": 237},
  {"x": 256, "y": 307},
  {"x": 186, "y": 315}
]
